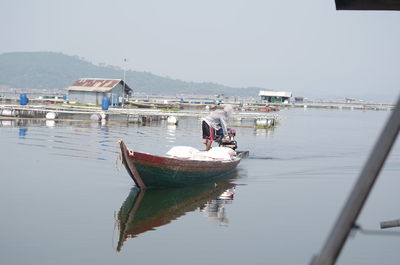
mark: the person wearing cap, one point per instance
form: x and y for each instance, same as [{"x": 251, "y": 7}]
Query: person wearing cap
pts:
[{"x": 215, "y": 125}]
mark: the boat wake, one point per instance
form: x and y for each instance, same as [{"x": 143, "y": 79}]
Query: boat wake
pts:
[{"x": 260, "y": 157}]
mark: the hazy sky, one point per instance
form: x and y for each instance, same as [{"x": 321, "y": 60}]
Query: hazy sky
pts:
[{"x": 306, "y": 47}]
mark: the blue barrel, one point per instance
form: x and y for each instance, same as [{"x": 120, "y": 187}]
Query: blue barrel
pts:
[
  {"x": 23, "y": 99},
  {"x": 104, "y": 103}
]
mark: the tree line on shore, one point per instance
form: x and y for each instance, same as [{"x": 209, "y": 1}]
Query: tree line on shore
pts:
[{"x": 48, "y": 70}]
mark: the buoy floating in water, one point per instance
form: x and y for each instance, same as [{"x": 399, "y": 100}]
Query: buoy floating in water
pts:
[
  {"x": 95, "y": 117},
  {"x": 172, "y": 120},
  {"x": 51, "y": 115},
  {"x": 99, "y": 117},
  {"x": 103, "y": 116}
]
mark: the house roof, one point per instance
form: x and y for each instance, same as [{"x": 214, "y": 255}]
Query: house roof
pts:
[
  {"x": 97, "y": 85},
  {"x": 275, "y": 93}
]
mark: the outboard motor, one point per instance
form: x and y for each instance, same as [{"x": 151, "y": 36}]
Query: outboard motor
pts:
[{"x": 228, "y": 140}]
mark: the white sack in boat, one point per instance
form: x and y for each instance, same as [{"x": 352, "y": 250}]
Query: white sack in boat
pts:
[
  {"x": 202, "y": 155},
  {"x": 182, "y": 151},
  {"x": 221, "y": 153},
  {"x": 215, "y": 153}
]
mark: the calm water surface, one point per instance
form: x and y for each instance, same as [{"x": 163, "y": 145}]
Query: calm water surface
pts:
[{"x": 66, "y": 199}]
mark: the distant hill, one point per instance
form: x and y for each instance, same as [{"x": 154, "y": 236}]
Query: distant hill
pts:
[{"x": 56, "y": 70}]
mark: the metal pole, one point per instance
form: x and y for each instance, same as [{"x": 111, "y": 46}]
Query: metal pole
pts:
[
  {"x": 360, "y": 192},
  {"x": 123, "y": 88},
  {"x": 390, "y": 224}
]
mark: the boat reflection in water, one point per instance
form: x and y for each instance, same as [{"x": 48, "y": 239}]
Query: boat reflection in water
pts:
[
  {"x": 215, "y": 209},
  {"x": 145, "y": 210}
]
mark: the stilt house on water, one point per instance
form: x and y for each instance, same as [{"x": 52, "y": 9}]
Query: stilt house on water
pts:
[
  {"x": 92, "y": 90},
  {"x": 275, "y": 96}
]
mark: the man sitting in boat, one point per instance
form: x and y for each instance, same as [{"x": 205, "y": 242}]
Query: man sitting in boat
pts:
[{"x": 215, "y": 125}]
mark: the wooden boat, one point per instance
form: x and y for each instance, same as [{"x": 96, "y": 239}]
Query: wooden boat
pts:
[
  {"x": 158, "y": 171},
  {"x": 145, "y": 210}
]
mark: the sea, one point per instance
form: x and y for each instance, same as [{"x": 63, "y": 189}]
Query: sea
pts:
[{"x": 66, "y": 198}]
